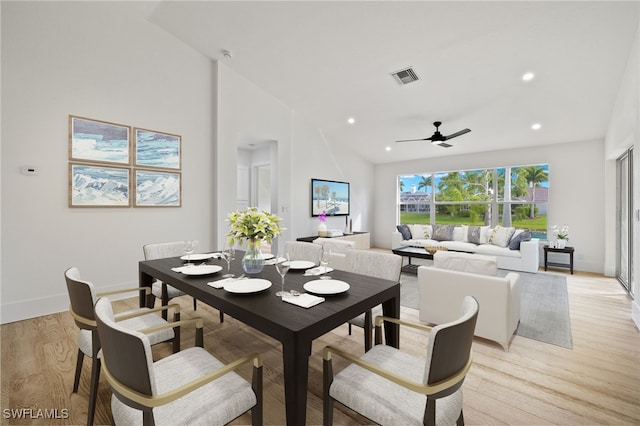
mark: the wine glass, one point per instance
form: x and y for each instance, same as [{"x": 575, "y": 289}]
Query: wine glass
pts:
[
  {"x": 228, "y": 254},
  {"x": 282, "y": 266},
  {"x": 189, "y": 248},
  {"x": 325, "y": 258}
]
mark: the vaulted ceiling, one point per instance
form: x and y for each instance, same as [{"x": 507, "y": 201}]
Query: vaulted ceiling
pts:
[{"x": 331, "y": 60}]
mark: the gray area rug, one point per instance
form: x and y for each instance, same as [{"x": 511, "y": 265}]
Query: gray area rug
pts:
[{"x": 544, "y": 305}]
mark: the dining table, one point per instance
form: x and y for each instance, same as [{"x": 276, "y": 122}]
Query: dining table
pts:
[{"x": 294, "y": 326}]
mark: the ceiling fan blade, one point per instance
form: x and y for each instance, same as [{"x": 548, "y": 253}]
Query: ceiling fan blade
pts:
[
  {"x": 414, "y": 140},
  {"x": 442, "y": 144},
  {"x": 456, "y": 134}
]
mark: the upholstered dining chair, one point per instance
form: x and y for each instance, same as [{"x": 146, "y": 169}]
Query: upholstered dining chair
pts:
[
  {"x": 189, "y": 387},
  {"x": 299, "y": 250},
  {"x": 82, "y": 296},
  {"x": 376, "y": 264},
  {"x": 390, "y": 387},
  {"x": 159, "y": 289}
]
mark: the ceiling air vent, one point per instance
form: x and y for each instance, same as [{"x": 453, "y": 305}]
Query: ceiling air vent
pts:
[{"x": 405, "y": 76}]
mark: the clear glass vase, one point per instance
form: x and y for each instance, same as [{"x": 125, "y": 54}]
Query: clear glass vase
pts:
[{"x": 253, "y": 261}]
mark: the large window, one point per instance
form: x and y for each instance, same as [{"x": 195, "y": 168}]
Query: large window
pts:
[{"x": 478, "y": 197}]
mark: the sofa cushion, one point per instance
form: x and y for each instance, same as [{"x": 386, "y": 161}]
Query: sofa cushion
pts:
[
  {"x": 458, "y": 246},
  {"x": 460, "y": 233},
  {"x": 443, "y": 232},
  {"x": 404, "y": 230},
  {"x": 500, "y": 236},
  {"x": 466, "y": 262},
  {"x": 518, "y": 237},
  {"x": 493, "y": 250},
  {"x": 485, "y": 232},
  {"x": 420, "y": 231}
]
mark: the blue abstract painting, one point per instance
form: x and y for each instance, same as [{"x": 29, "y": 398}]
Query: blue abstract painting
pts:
[
  {"x": 155, "y": 149},
  {"x": 99, "y": 186},
  {"x": 157, "y": 189},
  {"x": 94, "y": 140}
]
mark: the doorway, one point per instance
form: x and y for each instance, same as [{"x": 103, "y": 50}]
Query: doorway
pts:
[{"x": 624, "y": 220}]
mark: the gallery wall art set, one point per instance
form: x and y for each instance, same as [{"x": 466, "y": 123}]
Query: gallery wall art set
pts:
[{"x": 114, "y": 165}]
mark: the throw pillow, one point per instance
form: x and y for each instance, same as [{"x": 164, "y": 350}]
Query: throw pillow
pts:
[
  {"x": 514, "y": 244},
  {"x": 501, "y": 236},
  {"x": 420, "y": 232},
  {"x": 404, "y": 230},
  {"x": 485, "y": 232},
  {"x": 473, "y": 234},
  {"x": 443, "y": 232}
]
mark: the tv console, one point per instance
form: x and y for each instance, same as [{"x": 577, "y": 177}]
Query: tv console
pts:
[{"x": 362, "y": 239}]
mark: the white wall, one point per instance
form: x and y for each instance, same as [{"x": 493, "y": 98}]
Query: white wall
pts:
[
  {"x": 583, "y": 211},
  {"x": 624, "y": 132},
  {"x": 102, "y": 61}
]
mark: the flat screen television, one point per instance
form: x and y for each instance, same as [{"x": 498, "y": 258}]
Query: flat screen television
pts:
[{"x": 329, "y": 196}]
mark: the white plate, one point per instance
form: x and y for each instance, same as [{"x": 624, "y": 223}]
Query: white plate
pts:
[
  {"x": 318, "y": 271},
  {"x": 251, "y": 285},
  {"x": 301, "y": 264},
  {"x": 201, "y": 269},
  {"x": 197, "y": 256},
  {"x": 267, "y": 256},
  {"x": 326, "y": 286}
]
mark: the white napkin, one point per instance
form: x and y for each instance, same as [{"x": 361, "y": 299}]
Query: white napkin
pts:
[
  {"x": 181, "y": 268},
  {"x": 220, "y": 283},
  {"x": 319, "y": 270},
  {"x": 305, "y": 300},
  {"x": 274, "y": 260}
]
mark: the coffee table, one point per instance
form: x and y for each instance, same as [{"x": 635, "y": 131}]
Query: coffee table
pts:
[{"x": 409, "y": 252}]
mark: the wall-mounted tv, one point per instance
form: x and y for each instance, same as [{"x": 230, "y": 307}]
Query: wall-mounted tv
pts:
[{"x": 329, "y": 196}]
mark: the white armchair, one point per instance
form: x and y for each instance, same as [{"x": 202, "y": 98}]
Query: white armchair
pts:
[{"x": 442, "y": 290}]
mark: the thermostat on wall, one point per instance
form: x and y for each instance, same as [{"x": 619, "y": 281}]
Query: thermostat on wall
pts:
[{"x": 30, "y": 170}]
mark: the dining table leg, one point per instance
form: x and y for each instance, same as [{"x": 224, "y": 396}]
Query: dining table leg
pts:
[
  {"x": 145, "y": 280},
  {"x": 391, "y": 308},
  {"x": 295, "y": 357}
]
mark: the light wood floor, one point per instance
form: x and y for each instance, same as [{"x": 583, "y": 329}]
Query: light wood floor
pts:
[{"x": 597, "y": 382}]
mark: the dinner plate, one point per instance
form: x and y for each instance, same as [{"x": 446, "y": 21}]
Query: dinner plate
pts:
[
  {"x": 326, "y": 286},
  {"x": 201, "y": 269},
  {"x": 243, "y": 286},
  {"x": 318, "y": 270},
  {"x": 301, "y": 264},
  {"x": 267, "y": 256},
  {"x": 197, "y": 256}
]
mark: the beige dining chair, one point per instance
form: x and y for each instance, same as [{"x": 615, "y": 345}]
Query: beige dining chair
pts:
[
  {"x": 82, "y": 296},
  {"x": 299, "y": 250},
  {"x": 377, "y": 264},
  {"x": 391, "y": 387},
  {"x": 186, "y": 388},
  {"x": 159, "y": 289}
]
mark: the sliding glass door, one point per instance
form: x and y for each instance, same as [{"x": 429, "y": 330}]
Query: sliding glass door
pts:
[{"x": 624, "y": 219}]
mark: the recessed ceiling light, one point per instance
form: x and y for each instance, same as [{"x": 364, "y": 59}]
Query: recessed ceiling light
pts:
[
  {"x": 536, "y": 126},
  {"x": 351, "y": 120},
  {"x": 528, "y": 76},
  {"x": 388, "y": 148}
]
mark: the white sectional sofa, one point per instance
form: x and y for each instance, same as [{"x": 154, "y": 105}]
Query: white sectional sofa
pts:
[{"x": 514, "y": 249}]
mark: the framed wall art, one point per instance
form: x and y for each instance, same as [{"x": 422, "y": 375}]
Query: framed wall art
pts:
[
  {"x": 157, "y": 149},
  {"x": 156, "y": 188},
  {"x": 98, "y": 141},
  {"x": 93, "y": 185}
]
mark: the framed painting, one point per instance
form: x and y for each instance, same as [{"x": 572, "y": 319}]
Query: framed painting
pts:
[
  {"x": 92, "y": 185},
  {"x": 157, "y": 150},
  {"x": 156, "y": 188},
  {"x": 99, "y": 141}
]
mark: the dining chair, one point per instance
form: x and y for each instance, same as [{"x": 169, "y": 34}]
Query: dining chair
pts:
[
  {"x": 189, "y": 387},
  {"x": 82, "y": 296},
  {"x": 300, "y": 250},
  {"x": 159, "y": 289},
  {"x": 391, "y": 387},
  {"x": 377, "y": 264}
]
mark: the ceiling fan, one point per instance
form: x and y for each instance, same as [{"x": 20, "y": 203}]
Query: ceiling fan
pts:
[{"x": 438, "y": 138}]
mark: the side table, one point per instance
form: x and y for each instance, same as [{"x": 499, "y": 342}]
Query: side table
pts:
[{"x": 566, "y": 250}]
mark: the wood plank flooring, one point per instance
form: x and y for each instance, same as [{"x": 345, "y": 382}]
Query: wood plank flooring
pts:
[{"x": 597, "y": 382}]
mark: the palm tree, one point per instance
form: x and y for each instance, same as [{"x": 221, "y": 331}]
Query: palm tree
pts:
[
  {"x": 535, "y": 175},
  {"x": 425, "y": 182}
]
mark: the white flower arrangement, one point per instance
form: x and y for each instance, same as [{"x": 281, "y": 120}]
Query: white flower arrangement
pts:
[
  {"x": 561, "y": 233},
  {"x": 253, "y": 225}
]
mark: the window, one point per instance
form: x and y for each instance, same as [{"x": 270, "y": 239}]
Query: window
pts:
[{"x": 478, "y": 197}]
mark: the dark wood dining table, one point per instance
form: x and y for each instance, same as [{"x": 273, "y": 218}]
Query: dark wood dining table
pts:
[{"x": 294, "y": 326}]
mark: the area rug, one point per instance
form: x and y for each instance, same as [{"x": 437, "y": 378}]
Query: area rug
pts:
[{"x": 544, "y": 306}]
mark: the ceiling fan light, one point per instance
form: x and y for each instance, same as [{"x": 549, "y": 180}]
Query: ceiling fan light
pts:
[{"x": 528, "y": 76}]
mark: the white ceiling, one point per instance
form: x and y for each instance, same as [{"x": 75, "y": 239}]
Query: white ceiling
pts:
[{"x": 331, "y": 60}]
